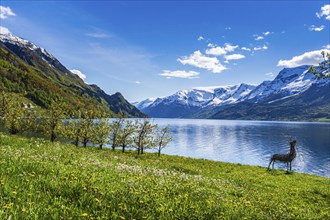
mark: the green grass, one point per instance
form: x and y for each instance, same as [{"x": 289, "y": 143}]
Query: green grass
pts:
[{"x": 43, "y": 180}]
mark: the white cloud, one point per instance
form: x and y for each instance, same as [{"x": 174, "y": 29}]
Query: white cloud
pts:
[
  {"x": 234, "y": 57},
  {"x": 270, "y": 74},
  {"x": 325, "y": 11},
  {"x": 180, "y": 74},
  {"x": 199, "y": 60},
  {"x": 308, "y": 58},
  {"x": 98, "y": 35},
  {"x": 216, "y": 51},
  {"x": 4, "y": 30},
  {"x": 266, "y": 33},
  {"x": 327, "y": 46},
  {"x": 246, "y": 49},
  {"x": 79, "y": 73},
  {"x": 264, "y": 47},
  {"x": 230, "y": 48},
  {"x": 200, "y": 38},
  {"x": 259, "y": 38},
  {"x": 227, "y": 28},
  {"x": 97, "y": 32},
  {"x": 137, "y": 82},
  {"x": 314, "y": 28},
  {"x": 5, "y": 12}
]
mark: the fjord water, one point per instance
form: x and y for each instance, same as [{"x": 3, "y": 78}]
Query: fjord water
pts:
[{"x": 251, "y": 142}]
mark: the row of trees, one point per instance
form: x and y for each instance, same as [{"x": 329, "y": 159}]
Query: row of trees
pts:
[{"x": 84, "y": 126}]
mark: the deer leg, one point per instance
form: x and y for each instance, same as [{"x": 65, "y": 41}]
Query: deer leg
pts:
[
  {"x": 273, "y": 163},
  {"x": 290, "y": 165},
  {"x": 269, "y": 164}
]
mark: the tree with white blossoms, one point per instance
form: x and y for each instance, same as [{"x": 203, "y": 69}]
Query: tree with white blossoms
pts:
[
  {"x": 5, "y": 102},
  {"x": 126, "y": 135},
  {"x": 101, "y": 132},
  {"x": 73, "y": 129},
  {"x": 52, "y": 123},
  {"x": 87, "y": 122},
  {"x": 115, "y": 130},
  {"x": 15, "y": 118},
  {"x": 143, "y": 138},
  {"x": 162, "y": 137}
]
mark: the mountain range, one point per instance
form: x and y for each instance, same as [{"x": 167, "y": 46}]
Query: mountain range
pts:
[
  {"x": 295, "y": 94},
  {"x": 35, "y": 74}
]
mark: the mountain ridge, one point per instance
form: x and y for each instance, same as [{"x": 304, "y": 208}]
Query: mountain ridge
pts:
[
  {"x": 289, "y": 87},
  {"x": 34, "y": 73}
]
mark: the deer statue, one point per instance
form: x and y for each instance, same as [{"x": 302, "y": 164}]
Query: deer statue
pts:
[{"x": 285, "y": 158}]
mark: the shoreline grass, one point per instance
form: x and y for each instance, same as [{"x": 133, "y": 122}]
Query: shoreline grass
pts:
[{"x": 43, "y": 180}]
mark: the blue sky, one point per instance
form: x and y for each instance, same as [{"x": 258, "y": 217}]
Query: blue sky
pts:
[{"x": 149, "y": 49}]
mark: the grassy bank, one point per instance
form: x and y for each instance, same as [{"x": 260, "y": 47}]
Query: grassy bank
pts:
[{"x": 43, "y": 180}]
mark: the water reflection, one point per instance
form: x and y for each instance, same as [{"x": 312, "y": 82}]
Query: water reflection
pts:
[{"x": 252, "y": 142}]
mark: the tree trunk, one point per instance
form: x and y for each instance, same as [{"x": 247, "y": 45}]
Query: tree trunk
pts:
[
  {"x": 52, "y": 137},
  {"x": 123, "y": 150},
  {"x": 76, "y": 142},
  {"x": 159, "y": 153},
  {"x": 101, "y": 145}
]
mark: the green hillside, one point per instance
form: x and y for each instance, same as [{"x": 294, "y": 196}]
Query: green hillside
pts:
[{"x": 26, "y": 73}]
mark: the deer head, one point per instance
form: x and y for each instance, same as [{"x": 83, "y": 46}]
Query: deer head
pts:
[{"x": 292, "y": 143}]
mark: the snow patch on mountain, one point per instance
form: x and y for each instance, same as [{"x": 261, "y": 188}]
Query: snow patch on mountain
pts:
[
  {"x": 7, "y": 36},
  {"x": 201, "y": 96},
  {"x": 289, "y": 82}
]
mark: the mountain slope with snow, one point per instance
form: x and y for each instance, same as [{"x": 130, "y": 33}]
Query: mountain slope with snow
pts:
[
  {"x": 185, "y": 102},
  {"x": 290, "y": 85}
]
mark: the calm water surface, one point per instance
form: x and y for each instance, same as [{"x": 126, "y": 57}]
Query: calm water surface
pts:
[{"x": 251, "y": 142}]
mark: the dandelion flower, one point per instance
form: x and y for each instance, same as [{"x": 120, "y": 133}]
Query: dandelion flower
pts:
[{"x": 84, "y": 214}]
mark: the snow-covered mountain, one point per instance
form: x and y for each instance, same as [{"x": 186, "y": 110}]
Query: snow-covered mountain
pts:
[
  {"x": 201, "y": 96},
  {"x": 199, "y": 101},
  {"x": 24, "y": 49},
  {"x": 7, "y": 37},
  {"x": 289, "y": 82}
]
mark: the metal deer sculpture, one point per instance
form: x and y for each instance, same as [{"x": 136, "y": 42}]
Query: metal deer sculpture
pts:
[{"x": 285, "y": 158}]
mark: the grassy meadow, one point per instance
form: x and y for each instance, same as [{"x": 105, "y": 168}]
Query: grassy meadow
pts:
[{"x": 44, "y": 180}]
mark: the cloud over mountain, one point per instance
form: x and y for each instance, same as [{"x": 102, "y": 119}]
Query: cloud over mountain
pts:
[
  {"x": 197, "y": 59},
  {"x": 79, "y": 73},
  {"x": 308, "y": 58},
  {"x": 5, "y": 12},
  {"x": 180, "y": 74}
]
